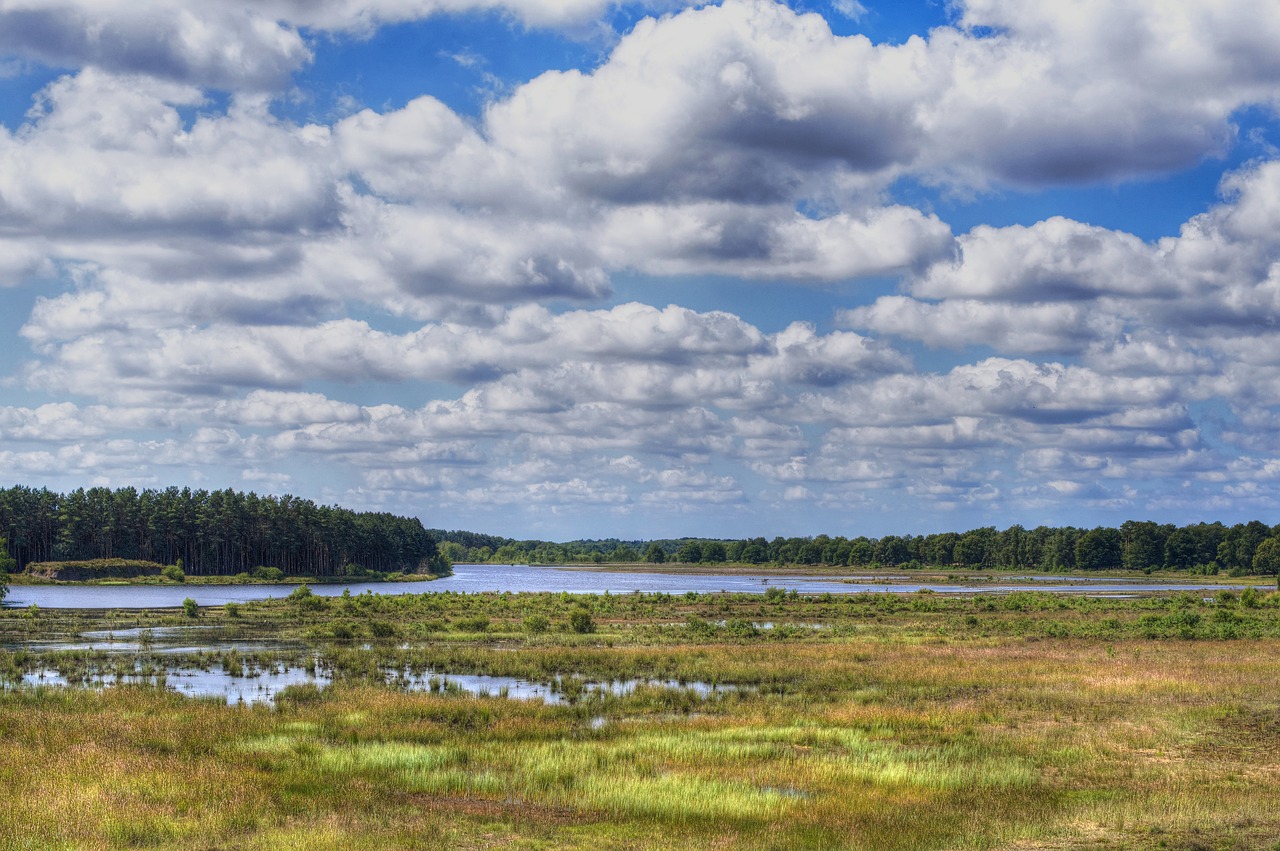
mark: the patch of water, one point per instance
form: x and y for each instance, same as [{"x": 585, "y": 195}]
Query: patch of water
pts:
[
  {"x": 621, "y": 688},
  {"x": 253, "y": 687},
  {"x": 262, "y": 685},
  {"x": 477, "y": 685}
]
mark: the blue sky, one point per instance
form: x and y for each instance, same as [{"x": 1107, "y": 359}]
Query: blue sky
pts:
[{"x": 573, "y": 268}]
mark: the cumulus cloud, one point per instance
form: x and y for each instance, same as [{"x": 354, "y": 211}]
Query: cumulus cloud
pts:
[
  {"x": 234, "y": 44},
  {"x": 225, "y": 45},
  {"x": 413, "y": 295},
  {"x": 109, "y": 156}
]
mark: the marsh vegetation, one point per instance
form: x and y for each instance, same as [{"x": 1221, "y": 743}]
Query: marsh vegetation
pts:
[{"x": 751, "y": 721}]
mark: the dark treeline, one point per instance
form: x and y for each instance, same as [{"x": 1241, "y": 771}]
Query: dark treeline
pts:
[
  {"x": 1207, "y": 548},
  {"x": 214, "y": 533}
]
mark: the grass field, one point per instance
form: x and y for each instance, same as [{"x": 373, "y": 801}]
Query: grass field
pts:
[{"x": 871, "y": 721}]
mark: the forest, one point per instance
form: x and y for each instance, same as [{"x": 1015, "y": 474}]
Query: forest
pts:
[
  {"x": 210, "y": 533},
  {"x": 226, "y": 532},
  {"x": 1203, "y": 548}
]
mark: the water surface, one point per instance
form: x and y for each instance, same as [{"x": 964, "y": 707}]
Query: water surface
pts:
[{"x": 470, "y": 578}]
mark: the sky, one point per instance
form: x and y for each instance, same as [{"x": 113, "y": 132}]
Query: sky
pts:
[{"x": 580, "y": 269}]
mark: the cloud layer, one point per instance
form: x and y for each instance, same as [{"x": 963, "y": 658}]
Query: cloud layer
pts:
[{"x": 422, "y": 303}]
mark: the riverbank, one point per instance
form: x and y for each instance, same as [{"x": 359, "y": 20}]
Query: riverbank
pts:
[
  {"x": 26, "y": 579},
  {"x": 897, "y": 574}
]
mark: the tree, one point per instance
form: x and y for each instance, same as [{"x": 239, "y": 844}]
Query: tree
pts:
[
  {"x": 1143, "y": 545},
  {"x": 973, "y": 547},
  {"x": 624, "y": 554},
  {"x": 892, "y": 550},
  {"x": 453, "y": 551},
  {"x": 714, "y": 551},
  {"x": 1266, "y": 558},
  {"x": 861, "y": 551},
  {"x": 690, "y": 552},
  {"x": 1099, "y": 549},
  {"x": 7, "y": 563},
  {"x": 655, "y": 554}
]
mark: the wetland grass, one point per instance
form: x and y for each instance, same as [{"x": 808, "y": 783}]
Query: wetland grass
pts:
[{"x": 907, "y": 722}]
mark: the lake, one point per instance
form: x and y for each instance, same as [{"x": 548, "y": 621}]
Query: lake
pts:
[{"x": 469, "y": 578}]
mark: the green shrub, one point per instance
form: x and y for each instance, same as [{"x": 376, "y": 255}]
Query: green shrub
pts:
[
  {"x": 535, "y": 624},
  {"x": 271, "y": 574},
  {"x": 174, "y": 572},
  {"x": 304, "y": 598},
  {"x": 191, "y": 608},
  {"x": 233, "y": 610},
  {"x": 580, "y": 621},
  {"x": 382, "y": 629}
]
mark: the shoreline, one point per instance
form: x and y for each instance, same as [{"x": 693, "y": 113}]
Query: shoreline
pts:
[
  {"x": 27, "y": 580},
  {"x": 898, "y": 575}
]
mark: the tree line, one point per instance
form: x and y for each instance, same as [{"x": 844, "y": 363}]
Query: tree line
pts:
[
  {"x": 1207, "y": 548},
  {"x": 211, "y": 533}
]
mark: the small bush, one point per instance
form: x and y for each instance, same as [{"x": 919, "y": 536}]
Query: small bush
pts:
[
  {"x": 535, "y": 624},
  {"x": 271, "y": 574},
  {"x": 698, "y": 627},
  {"x": 191, "y": 608},
  {"x": 581, "y": 622},
  {"x": 382, "y": 629},
  {"x": 233, "y": 610},
  {"x": 304, "y": 598},
  {"x": 174, "y": 572}
]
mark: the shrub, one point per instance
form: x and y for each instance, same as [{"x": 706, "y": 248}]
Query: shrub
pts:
[
  {"x": 471, "y": 624},
  {"x": 191, "y": 608},
  {"x": 271, "y": 574},
  {"x": 382, "y": 629},
  {"x": 174, "y": 572},
  {"x": 580, "y": 621},
  {"x": 233, "y": 610},
  {"x": 699, "y": 628},
  {"x": 535, "y": 624},
  {"x": 305, "y": 598}
]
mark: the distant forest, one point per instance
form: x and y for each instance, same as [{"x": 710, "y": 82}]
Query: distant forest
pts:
[
  {"x": 214, "y": 533},
  {"x": 1206, "y": 548}
]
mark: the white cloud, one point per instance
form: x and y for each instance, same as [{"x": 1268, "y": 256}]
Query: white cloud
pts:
[
  {"x": 220, "y": 289},
  {"x": 235, "y": 44},
  {"x": 225, "y": 45}
]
